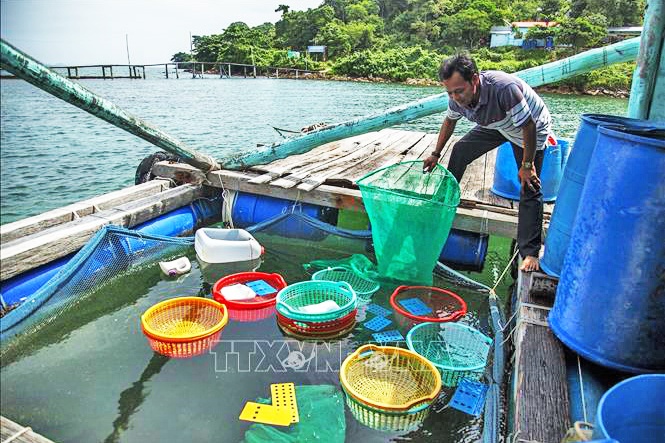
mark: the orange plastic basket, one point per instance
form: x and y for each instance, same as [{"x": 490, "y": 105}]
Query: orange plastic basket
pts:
[{"x": 183, "y": 327}]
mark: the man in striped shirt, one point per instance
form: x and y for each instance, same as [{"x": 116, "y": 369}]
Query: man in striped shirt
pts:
[{"x": 505, "y": 108}]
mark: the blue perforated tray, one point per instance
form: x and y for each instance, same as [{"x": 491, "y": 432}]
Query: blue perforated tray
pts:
[
  {"x": 388, "y": 336},
  {"x": 377, "y": 323},
  {"x": 415, "y": 306},
  {"x": 261, "y": 287},
  {"x": 469, "y": 397},
  {"x": 378, "y": 310}
]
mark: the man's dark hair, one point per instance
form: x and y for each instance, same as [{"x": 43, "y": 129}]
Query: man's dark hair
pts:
[{"x": 461, "y": 63}]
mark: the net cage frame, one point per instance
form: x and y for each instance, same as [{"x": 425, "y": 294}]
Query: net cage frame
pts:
[{"x": 109, "y": 251}]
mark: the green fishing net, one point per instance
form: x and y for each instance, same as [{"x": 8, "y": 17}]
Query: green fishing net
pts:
[
  {"x": 411, "y": 214},
  {"x": 321, "y": 411}
]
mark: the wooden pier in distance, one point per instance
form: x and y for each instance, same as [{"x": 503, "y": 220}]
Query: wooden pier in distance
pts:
[
  {"x": 326, "y": 176},
  {"x": 176, "y": 69}
]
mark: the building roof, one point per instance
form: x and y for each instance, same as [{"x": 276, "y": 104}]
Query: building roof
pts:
[
  {"x": 500, "y": 30},
  {"x": 625, "y": 29},
  {"x": 532, "y": 24}
]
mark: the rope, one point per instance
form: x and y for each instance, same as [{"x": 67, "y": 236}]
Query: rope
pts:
[
  {"x": 498, "y": 281},
  {"x": 579, "y": 373}
]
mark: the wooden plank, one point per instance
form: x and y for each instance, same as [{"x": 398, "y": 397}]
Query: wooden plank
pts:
[
  {"x": 316, "y": 156},
  {"x": 468, "y": 219},
  {"x": 540, "y": 394},
  {"x": 43, "y": 247},
  {"x": 12, "y": 431},
  {"x": 352, "y": 154},
  {"x": 382, "y": 148},
  {"x": 422, "y": 149},
  {"x": 30, "y": 225},
  {"x": 393, "y": 153}
]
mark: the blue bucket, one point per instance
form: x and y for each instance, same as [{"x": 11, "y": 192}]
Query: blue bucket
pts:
[
  {"x": 506, "y": 184},
  {"x": 572, "y": 182},
  {"x": 250, "y": 209},
  {"x": 610, "y": 301},
  {"x": 633, "y": 411}
]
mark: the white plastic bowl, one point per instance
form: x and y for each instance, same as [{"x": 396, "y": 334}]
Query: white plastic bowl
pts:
[{"x": 216, "y": 245}]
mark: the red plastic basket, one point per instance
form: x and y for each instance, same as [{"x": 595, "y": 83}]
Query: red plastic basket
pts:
[
  {"x": 445, "y": 305},
  {"x": 258, "y": 308},
  {"x": 326, "y": 327},
  {"x": 318, "y": 336}
]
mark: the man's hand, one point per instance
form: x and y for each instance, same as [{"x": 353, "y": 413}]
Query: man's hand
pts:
[
  {"x": 430, "y": 163},
  {"x": 529, "y": 179}
]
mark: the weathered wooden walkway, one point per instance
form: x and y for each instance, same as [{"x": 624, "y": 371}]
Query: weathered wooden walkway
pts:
[
  {"x": 11, "y": 432},
  {"x": 326, "y": 176},
  {"x": 538, "y": 392}
]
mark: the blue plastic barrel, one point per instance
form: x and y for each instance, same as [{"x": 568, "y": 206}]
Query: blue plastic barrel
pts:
[
  {"x": 250, "y": 209},
  {"x": 633, "y": 411},
  {"x": 610, "y": 301},
  {"x": 465, "y": 249},
  {"x": 572, "y": 182},
  {"x": 506, "y": 183}
]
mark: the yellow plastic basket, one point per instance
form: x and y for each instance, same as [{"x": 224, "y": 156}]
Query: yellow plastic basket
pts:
[
  {"x": 184, "y": 326},
  {"x": 389, "y": 388}
]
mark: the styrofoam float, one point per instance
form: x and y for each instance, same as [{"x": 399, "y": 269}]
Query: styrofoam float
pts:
[{"x": 216, "y": 245}]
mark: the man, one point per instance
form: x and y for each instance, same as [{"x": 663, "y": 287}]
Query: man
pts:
[{"x": 505, "y": 108}]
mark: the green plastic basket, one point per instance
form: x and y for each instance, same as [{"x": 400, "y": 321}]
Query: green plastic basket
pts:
[
  {"x": 297, "y": 295},
  {"x": 458, "y": 351},
  {"x": 383, "y": 420},
  {"x": 364, "y": 288}
]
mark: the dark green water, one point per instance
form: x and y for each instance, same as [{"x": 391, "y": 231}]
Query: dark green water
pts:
[
  {"x": 54, "y": 153},
  {"x": 90, "y": 376}
]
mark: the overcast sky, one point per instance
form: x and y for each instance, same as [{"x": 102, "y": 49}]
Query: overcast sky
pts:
[{"x": 93, "y": 31}]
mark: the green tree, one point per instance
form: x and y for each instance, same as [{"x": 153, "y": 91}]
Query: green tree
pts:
[
  {"x": 335, "y": 38},
  {"x": 180, "y": 57},
  {"x": 581, "y": 32}
]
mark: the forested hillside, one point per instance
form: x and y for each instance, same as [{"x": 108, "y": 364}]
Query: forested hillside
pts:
[{"x": 398, "y": 40}]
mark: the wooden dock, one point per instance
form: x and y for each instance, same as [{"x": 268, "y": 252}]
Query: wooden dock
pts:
[
  {"x": 538, "y": 392},
  {"x": 327, "y": 175},
  {"x": 11, "y": 432}
]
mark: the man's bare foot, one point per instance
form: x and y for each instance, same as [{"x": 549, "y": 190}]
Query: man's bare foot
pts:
[{"x": 529, "y": 264}]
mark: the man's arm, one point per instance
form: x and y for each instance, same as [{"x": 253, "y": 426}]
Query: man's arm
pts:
[
  {"x": 527, "y": 173},
  {"x": 447, "y": 129}
]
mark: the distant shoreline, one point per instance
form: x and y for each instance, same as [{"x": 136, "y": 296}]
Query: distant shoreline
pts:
[{"x": 558, "y": 89}]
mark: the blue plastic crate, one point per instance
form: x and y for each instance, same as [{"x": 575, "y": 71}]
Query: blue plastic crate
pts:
[
  {"x": 378, "y": 310},
  {"x": 377, "y": 323},
  {"x": 261, "y": 287},
  {"x": 388, "y": 336},
  {"x": 469, "y": 397},
  {"x": 415, "y": 306}
]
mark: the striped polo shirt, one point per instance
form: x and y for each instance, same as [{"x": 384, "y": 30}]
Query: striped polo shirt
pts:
[{"x": 506, "y": 103}]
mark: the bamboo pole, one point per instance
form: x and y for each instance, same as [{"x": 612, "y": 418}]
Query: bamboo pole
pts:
[
  {"x": 30, "y": 70},
  {"x": 551, "y": 72},
  {"x": 646, "y": 71}
]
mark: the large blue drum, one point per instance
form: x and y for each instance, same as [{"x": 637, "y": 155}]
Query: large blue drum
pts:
[
  {"x": 610, "y": 301},
  {"x": 572, "y": 182}
]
